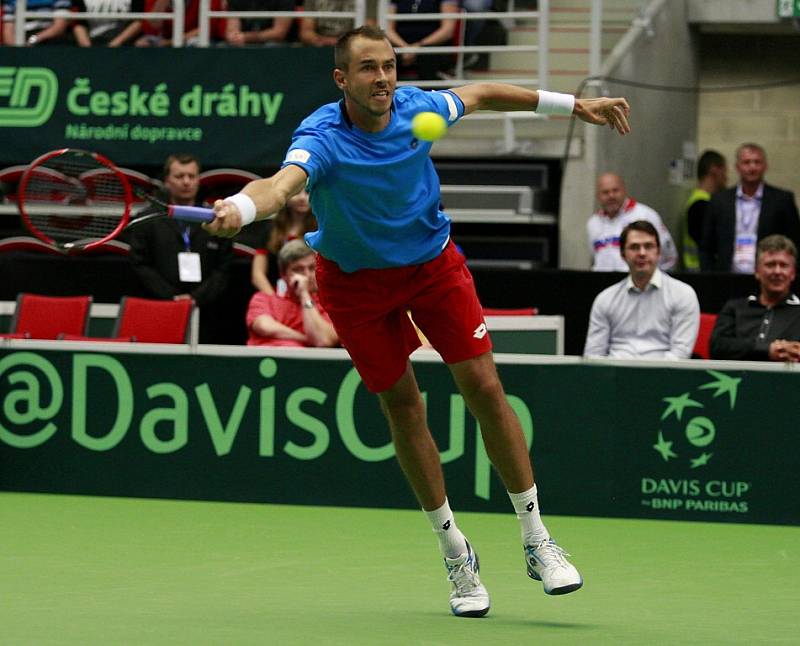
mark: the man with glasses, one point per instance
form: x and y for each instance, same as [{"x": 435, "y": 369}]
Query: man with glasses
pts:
[{"x": 648, "y": 314}]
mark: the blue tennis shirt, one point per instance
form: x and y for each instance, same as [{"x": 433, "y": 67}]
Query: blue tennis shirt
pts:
[{"x": 375, "y": 195}]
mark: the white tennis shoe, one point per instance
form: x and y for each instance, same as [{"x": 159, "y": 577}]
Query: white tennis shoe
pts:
[
  {"x": 547, "y": 563},
  {"x": 468, "y": 597}
]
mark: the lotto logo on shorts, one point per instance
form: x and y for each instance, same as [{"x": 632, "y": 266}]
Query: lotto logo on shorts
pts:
[
  {"x": 480, "y": 331},
  {"x": 31, "y": 94}
]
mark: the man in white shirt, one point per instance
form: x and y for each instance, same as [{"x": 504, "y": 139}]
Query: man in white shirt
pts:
[
  {"x": 648, "y": 314},
  {"x": 617, "y": 210}
]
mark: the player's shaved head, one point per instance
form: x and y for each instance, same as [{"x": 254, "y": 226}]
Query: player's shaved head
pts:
[{"x": 342, "y": 50}]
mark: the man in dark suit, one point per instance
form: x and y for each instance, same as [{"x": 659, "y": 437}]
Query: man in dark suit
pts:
[
  {"x": 177, "y": 260},
  {"x": 737, "y": 218}
]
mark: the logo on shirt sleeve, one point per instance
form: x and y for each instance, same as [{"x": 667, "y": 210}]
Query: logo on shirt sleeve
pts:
[
  {"x": 452, "y": 109},
  {"x": 298, "y": 155}
]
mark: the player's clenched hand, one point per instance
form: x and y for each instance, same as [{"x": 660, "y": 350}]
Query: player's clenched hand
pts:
[
  {"x": 604, "y": 111},
  {"x": 228, "y": 220}
]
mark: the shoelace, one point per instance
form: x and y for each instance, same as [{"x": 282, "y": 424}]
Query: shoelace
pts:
[
  {"x": 463, "y": 577},
  {"x": 551, "y": 554}
]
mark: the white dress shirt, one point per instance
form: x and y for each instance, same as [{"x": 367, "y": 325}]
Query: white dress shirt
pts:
[
  {"x": 659, "y": 322},
  {"x": 748, "y": 209}
]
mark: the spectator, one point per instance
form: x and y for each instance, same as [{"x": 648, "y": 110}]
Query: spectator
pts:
[
  {"x": 158, "y": 33},
  {"x": 323, "y": 32},
  {"x": 258, "y": 31},
  {"x": 712, "y": 176},
  {"x": 111, "y": 32},
  {"x": 422, "y": 33},
  {"x": 481, "y": 32},
  {"x": 296, "y": 318},
  {"x": 617, "y": 210},
  {"x": 38, "y": 31},
  {"x": 737, "y": 218},
  {"x": 177, "y": 260},
  {"x": 292, "y": 222},
  {"x": 763, "y": 327},
  {"x": 648, "y": 314}
]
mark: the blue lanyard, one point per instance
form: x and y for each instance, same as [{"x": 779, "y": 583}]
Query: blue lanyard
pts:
[{"x": 186, "y": 241}]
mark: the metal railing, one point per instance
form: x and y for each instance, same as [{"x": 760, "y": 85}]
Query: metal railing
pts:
[
  {"x": 206, "y": 15},
  {"x": 176, "y": 16},
  {"x": 541, "y": 15}
]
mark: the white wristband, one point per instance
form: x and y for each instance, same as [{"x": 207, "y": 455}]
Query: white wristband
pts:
[
  {"x": 555, "y": 103},
  {"x": 246, "y": 206}
]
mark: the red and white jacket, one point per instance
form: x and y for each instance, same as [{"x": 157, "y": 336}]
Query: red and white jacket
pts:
[{"x": 604, "y": 232}]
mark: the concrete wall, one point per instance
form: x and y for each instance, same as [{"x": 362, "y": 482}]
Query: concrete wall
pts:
[
  {"x": 663, "y": 54},
  {"x": 770, "y": 117}
]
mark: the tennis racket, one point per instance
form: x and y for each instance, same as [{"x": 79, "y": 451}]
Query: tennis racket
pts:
[{"x": 74, "y": 200}]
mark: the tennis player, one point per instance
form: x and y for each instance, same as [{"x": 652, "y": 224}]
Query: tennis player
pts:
[{"x": 384, "y": 248}]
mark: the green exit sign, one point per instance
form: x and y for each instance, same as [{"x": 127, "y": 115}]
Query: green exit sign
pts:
[{"x": 788, "y": 8}]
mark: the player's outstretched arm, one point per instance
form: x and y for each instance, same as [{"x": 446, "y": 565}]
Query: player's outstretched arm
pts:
[
  {"x": 505, "y": 97},
  {"x": 258, "y": 200}
]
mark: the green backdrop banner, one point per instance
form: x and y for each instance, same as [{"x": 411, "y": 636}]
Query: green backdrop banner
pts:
[
  {"x": 229, "y": 107},
  {"x": 607, "y": 440}
]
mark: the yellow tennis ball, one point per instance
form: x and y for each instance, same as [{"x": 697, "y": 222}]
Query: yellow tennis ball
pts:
[{"x": 428, "y": 126}]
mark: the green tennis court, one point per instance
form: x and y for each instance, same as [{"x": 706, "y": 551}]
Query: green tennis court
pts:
[{"x": 85, "y": 570}]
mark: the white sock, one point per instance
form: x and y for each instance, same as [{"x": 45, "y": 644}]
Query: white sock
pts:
[
  {"x": 526, "y": 504},
  {"x": 451, "y": 541}
]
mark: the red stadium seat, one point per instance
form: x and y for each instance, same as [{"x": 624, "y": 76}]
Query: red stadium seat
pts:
[
  {"x": 221, "y": 182},
  {"x": 154, "y": 321},
  {"x": 702, "y": 347},
  {"x": 27, "y": 243},
  {"x": 47, "y": 317}
]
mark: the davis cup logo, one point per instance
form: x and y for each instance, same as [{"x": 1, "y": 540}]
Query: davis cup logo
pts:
[
  {"x": 690, "y": 440},
  {"x": 692, "y": 424}
]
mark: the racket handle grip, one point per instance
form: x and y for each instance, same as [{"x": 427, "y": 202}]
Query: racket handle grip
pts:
[{"x": 191, "y": 213}]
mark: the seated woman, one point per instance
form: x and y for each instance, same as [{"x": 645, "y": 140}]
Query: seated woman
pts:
[
  {"x": 292, "y": 222},
  {"x": 422, "y": 33}
]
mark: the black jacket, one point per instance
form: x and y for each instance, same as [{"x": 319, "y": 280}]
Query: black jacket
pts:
[
  {"x": 154, "y": 254},
  {"x": 778, "y": 215},
  {"x": 745, "y": 328}
]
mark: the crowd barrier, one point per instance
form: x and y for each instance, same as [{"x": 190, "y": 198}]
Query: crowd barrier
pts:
[
  {"x": 711, "y": 441},
  {"x": 554, "y": 292}
]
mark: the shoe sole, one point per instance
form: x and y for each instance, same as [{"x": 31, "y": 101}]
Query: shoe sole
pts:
[
  {"x": 564, "y": 589},
  {"x": 472, "y": 613}
]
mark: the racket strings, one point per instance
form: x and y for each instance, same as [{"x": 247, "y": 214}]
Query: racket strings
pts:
[{"x": 73, "y": 196}]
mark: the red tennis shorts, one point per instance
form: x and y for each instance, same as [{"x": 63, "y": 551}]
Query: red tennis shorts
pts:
[{"x": 369, "y": 309}]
